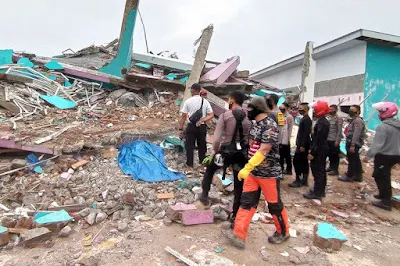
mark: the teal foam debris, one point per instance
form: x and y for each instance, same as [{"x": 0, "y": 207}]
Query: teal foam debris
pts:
[
  {"x": 58, "y": 102},
  {"x": 3, "y": 229},
  {"x": 6, "y": 57},
  {"x": 143, "y": 65},
  {"x": 67, "y": 84},
  {"x": 227, "y": 180},
  {"x": 328, "y": 231},
  {"x": 26, "y": 62},
  {"x": 54, "y": 217},
  {"x": 54, "y": 65}
]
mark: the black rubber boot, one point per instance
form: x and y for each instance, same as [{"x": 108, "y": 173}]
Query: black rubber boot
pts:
[
  {"x": 311, "y": 195},
  {"x": 295, "y": 184},
  {"x": 383, "y": 204}
]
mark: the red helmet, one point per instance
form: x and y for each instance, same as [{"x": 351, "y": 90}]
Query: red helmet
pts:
[
  {"x": 321, "y": 108},
  {"x": 386, "y": 109}
]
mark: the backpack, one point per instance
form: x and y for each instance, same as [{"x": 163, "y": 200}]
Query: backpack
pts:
[
  {"x": 234, "y": 150},
  {"x": 196, "y": 116}
]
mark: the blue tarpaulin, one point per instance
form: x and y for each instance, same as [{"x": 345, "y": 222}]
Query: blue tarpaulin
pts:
[{"x": 145, "y": 161}]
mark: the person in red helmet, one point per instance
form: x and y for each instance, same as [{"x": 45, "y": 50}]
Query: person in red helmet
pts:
[
  {"x": 319, "y": 150},
  {"x": 385, "y": 149}
]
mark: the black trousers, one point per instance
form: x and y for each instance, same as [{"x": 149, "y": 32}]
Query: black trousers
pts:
[
  {"x": 383, "y": 165},
  {"x": 355, "y": 166},
  {"x": 301, "y": 166},
  {"x": 194, "y": 134},
  {"x": 284, "y": 152},
  {"x": 238, "y": 162},
  {"x": 319, "y": 172},
  {"x": 333, "y": 155}
]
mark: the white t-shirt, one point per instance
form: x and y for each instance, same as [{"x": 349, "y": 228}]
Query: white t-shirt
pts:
[{"x": 191, "y": 105}]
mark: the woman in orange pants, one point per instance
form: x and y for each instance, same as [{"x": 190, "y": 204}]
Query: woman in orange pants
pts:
[{"x": 262, "y": 171}]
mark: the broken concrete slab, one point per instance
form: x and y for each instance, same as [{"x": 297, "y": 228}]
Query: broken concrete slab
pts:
[
  {"x": 35, "y": 236},
  {"x": 9, "y": 144},
  {"x": 174, "y": 212},
  {"x": 195, "y": 217},
  {"x": 327, "y": 236},
  {"x": 65, "y": 232}
]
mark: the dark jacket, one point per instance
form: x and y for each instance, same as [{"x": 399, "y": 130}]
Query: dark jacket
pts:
[
  {"x": 303, "y": 135},
  {"x": 319, "y": 143}
]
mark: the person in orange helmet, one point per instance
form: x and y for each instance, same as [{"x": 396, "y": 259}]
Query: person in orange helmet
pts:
[{"x": 319, "y": 150}]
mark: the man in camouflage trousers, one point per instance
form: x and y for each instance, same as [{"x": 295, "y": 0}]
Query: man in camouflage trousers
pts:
[{"x": 262, "y": 171}]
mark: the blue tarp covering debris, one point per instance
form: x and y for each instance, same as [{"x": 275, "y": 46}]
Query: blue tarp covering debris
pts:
[{"x": 145, "y": 161}]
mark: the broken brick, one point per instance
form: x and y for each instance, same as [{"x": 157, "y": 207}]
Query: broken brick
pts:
[
  {"x": 128, "y": 199},
  {"x": 163, "y": 196},
  {"x": 195, "y": 217},
  {"x": 35, "y": 236},
  {"x": 79, "y": 164},
  {"x": 4, "y": 236}
]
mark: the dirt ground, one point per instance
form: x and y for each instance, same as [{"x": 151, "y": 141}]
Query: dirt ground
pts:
[{"x": 373, "y": 234}]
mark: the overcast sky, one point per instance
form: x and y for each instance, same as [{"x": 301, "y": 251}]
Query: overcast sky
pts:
[{"x": 261, "y": 32}]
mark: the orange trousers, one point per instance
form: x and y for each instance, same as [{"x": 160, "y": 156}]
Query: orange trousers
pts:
[{"x": 250, "y": 196}]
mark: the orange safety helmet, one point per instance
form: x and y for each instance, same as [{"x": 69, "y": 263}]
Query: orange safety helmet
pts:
[{"x": 321, "y": 108}]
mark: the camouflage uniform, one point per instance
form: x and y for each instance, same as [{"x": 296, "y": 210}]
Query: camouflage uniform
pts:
[{"x": 266, "y": 131}]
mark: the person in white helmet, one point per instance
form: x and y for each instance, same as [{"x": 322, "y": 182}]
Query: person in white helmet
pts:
[{"x": 385, "y": 150}]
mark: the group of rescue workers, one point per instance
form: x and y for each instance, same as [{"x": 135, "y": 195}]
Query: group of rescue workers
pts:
[{"x": 255, "y": 142}]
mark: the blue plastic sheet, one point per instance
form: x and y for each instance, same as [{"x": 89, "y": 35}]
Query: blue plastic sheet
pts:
[{"x": 145, "y": 161}]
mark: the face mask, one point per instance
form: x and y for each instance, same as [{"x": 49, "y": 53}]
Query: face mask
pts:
[
  {"x": 352, "y": 113},
  {"x": 270, "y": 104},
  {"x": 253, "y": 113},
  {"x": 302, "y": 112},
  {"x": 283, "y": 110}
]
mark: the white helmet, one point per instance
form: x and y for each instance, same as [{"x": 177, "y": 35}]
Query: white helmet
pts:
[{"x": 218, "y": 160}]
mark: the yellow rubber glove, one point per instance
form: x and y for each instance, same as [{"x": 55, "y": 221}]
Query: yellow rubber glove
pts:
[{"x": 256, "y": 160}]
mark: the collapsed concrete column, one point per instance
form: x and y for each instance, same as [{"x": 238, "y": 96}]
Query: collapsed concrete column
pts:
[
  {"x": 123, "y": 60},
  {"x": 308, "y": 74},
  {"x": 199, "y": 59}
]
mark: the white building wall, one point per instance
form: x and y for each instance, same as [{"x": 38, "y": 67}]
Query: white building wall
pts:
[{"x": 344, "y": 63}]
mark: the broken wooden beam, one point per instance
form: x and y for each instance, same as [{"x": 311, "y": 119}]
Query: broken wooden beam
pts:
[{"x": 179, "y": 256}]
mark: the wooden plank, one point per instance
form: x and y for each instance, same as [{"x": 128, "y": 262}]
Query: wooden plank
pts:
[{"x": 178, "y": 255}]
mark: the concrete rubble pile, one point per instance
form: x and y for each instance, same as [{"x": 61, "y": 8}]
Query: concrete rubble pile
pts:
[{"x": 92, "y": 189}]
